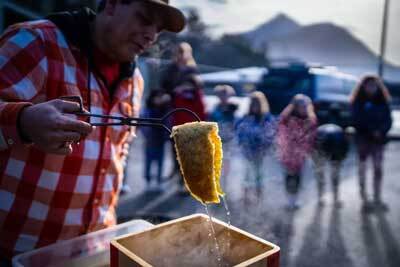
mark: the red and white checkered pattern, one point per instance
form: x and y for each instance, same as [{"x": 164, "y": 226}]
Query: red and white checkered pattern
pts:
[{"x": 46, "y": 198}]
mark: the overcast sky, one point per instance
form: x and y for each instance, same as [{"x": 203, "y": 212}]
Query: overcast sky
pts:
[{"x": 362, "y": 17}]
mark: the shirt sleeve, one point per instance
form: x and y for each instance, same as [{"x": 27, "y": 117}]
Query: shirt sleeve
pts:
[{"x": 23, "y": 72}]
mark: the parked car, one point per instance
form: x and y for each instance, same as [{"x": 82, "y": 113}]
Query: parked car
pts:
[
  {"x": 243, "y": 103},
  {"x": 243, "y": 81},
  {"x": 326, "y": 86}
]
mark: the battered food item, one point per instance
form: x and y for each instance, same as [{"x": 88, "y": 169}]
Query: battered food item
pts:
[{"x": 199, "y": 152}]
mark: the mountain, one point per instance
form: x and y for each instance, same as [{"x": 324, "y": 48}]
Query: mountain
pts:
[
  {"x": 284, "y": 39},
  {"x": 279, "y": 26},
  {"x": 330, "y": 43}
]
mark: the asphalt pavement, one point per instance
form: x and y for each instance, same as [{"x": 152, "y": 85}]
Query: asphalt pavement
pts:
[{"x": 314, "y": 235}]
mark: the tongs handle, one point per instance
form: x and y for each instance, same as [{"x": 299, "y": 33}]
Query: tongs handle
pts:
[{"x": 131, "y": 121}]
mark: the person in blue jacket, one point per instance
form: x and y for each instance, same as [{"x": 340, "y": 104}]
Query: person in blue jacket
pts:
[
  {"x": 255, "y": 134},
  {"x": 372, "y": 120},
  {"x": 157, "y": 105}
]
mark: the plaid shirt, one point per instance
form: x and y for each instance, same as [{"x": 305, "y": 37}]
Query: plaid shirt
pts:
[{"x": 46, "y": 198}]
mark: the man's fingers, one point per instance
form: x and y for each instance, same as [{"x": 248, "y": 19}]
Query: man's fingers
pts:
[
  {"x": 67, "y": 106},
  {"x": 66, "y": 136},
  {"x": 61, "y": 151},
  {"x": 68, "y": 124}
]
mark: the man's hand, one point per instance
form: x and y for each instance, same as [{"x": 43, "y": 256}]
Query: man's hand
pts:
[{"x": 50, "y": 129}]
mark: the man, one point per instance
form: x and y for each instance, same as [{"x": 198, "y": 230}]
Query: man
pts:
[{"x": 59, "y": 176}]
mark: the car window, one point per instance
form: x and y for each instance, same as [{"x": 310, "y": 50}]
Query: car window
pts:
[
  {"x": 302, "y": 85},
  {"x": 349, "y": 85},
  {"x": 333, "y": 84},
  {"x": 285, "y": 82},
  {"x": 275, "y": 82}
]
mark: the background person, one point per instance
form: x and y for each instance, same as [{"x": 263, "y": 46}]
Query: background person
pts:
[
  {"x": 295, "y": 141},
  {"x": 224, "y": 115},
  {"x": 182, "y": 66},
  {"x": 372, "y": 119},
  {"x": 256, "y": 133},
  {"x": 157, "y": 106},
  {"x": 331, "y": 149},
  {"x": 187, "y": 95}
]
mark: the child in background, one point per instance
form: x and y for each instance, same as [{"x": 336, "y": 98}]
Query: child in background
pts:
[
  {"x": 224, "y": 115},
  {"x": 372, "y": 119},
  {"x": 295, "y": 140},
  {"x": 255, "y": 132},
  {"x": 331, "y": 148},
  {"x": 157, "y": 105},
  {"x": 224, "y": 112}
]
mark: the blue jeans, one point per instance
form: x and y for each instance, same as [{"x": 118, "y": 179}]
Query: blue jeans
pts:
[{"x": 154, "y": 155}]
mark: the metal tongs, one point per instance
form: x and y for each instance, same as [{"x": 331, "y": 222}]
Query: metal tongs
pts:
[{"x": 130, "y": 121}]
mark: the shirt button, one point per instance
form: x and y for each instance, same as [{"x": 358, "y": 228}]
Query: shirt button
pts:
[
  {"x": 103, "y": 171},
  {"x": 107, "y": 139},
  {"x": 10, "y": 142},
  {"x": 96, "y": 201}
]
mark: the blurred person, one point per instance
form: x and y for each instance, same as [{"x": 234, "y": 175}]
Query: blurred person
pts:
[
  {"x": 187, "y": 95},
  {"x": 182, "y": 66},
  {"x": 157, "y": 106},
  {"x": 331, "y": 148},
  {"x": 224, "y": 115},
  {"x": 255, "y": 132},
  {"x": 372, "y": 120},
  {"x": 224, "y": 112},
  {"x": 60, "y": 177},
  {"x": 295, "y": 141}
]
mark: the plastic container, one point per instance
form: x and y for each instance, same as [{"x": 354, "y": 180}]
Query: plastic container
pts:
[
  {"x": 92, "y": 250},
  {"x": 188, "y": 242}
]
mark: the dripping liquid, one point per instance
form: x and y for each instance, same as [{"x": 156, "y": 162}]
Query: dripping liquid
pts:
[
  {"x": 213, "y": 235},
  {"x": 228, "y": 217}
]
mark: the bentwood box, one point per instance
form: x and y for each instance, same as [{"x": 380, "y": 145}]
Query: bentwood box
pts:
[{"x": 189, "y": 242}]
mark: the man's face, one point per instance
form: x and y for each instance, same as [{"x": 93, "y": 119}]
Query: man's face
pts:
[{"x": 131, "y": 29}]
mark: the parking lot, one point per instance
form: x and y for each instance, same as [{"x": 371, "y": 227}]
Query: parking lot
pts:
[{"x": 311, "y": 236}]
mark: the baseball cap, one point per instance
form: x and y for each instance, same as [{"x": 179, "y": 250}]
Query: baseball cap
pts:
[{"x": 173, "y": 20}]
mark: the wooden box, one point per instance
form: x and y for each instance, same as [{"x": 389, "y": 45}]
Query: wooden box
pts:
[{"x": 188, "y": 242}]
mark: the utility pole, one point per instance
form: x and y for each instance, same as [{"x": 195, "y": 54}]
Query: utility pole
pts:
[{"x": 383, "y": 39}]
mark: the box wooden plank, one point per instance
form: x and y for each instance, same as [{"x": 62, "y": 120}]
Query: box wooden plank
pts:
[{"x": 187, "y": 242}]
